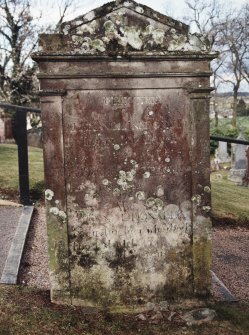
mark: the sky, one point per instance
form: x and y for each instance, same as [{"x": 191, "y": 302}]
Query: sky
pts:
[{"x": 175, "y": 8}]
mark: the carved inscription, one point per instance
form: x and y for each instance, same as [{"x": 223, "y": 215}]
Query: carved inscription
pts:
[{"x": 123, "y": 101}]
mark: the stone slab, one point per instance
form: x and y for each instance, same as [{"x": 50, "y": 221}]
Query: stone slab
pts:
[
  {"x": 10, "y": 271},
  {"x": 223, "y": 290},
  {"x": 9, "y": 217}
]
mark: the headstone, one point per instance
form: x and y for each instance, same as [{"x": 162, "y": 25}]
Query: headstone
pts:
[
  {"x": 222, "y": 152},
  {"x": 2, "y": 132},
  {"x": 239, "y": 162},
  {"x": 125, "y": 108},
  {"x": 35, "y": 137}
]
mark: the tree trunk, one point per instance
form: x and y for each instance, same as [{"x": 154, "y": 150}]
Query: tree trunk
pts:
[
  {"x": 216, "y": 116},
  {"x": 235, "y": 103}
]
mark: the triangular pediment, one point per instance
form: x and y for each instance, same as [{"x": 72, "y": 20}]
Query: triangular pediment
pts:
[{"x": 123, "y": 27}]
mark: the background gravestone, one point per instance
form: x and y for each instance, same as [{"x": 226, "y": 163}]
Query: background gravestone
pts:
[
  {"x": 125, "y": 111},
  {"x": 223, "y": 156},
  {"x": 239, "y": 161}
]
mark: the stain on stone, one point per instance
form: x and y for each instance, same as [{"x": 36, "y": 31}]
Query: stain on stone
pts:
[
  {"x": 87, "y": 261},
  {"x": 123, "y": 258}
]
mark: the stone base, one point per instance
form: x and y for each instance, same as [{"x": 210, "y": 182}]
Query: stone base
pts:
[{"x": 237, "y": 176}]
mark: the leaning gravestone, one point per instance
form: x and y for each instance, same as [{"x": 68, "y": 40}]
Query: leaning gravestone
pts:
[
  {"x": 239, "y": 162},
  {"x": 125, "y": 110}
]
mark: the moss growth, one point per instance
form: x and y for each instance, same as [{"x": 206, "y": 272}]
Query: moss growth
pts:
[
  {"x": 121, "y": 260},
  {"x": 58, "y": 259},
  {"x": 202, "y": 253},
  {"x": 89, "y": 286}
]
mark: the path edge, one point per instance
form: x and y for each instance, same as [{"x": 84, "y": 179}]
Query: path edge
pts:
[
  {"x": 12, "y": 264},
  {"x": 226, "y": 294}
]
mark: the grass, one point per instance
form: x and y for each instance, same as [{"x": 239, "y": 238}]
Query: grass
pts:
[
  {"x": 225, "y": 126},
  {"x": 229, "y": 201},
  {"x": 25, "y": 311},
  {"x": 9, "y": 167}
]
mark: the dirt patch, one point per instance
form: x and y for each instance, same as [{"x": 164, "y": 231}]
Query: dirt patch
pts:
[
  {"x": 29, "y": 311},
  {"x": 9, "y": 194}
]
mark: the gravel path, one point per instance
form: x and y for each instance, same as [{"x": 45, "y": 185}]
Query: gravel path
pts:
[
  {"x": 9, "y": 217},
  {"x": 34, "y": 266},
  {"x": 230, "y": 258}
]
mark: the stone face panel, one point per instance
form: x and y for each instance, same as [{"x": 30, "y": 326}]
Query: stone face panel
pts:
[
  {"x": 126, "y": 144},
  {"x": 124, "y": 152}
]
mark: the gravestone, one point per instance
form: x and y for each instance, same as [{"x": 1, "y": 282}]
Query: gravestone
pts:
[
  {"x": 125, "y": 112},
  {"x": 239, "y": 162},
  {"x": 222, "y": 152}
]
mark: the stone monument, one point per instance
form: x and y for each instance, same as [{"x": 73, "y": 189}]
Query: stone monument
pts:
[
  {"x": 125, "y": 111},
  {"x": 222, "y": 152},
  {"x": 239, "y": 161}
]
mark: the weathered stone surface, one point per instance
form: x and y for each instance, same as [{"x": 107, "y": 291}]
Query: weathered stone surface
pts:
[
  {"x": 222, "y": 153},
  {"x": 199, "y": 316},
  {"x": 239, "y": 151},
  {"x": 35, "y": 137},
  {"x": 118, "y": 29},
  {"x": 239, "y": 162},
  {"x": 126, "y": 142}
]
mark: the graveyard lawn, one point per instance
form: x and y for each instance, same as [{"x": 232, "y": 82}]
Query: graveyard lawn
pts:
[
  {"x": 225, "y": 127},
  {"x": 26, "y": 311},
  {"x": 9, "y": 170},
  {"x": 229, "y": 202}
]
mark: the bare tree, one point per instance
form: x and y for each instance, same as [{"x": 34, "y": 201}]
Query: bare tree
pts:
[
  {"x": 18, "y": 39},
  {"x": 216, "y": 66},
  {"x": 245, "y": 67},
  {"x": 206, "y": 17},
  {"x": 63, "y": 6},
  {"x": 227, "y": 33},
  {"x": 234, "y": 41}
]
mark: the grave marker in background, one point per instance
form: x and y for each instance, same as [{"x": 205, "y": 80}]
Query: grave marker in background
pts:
[
  {"x": 222, "y": 152},
  {"x": 239, "y": 161}
]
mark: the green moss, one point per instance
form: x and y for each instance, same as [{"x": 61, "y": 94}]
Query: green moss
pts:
[
  {"x": 58, "y": 259},
  {"x": 89, "y": 286},
  {"x": 202, "y": 251}
]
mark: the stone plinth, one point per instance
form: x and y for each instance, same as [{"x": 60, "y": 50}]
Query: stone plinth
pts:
[{"x": 125, "y": 111}]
